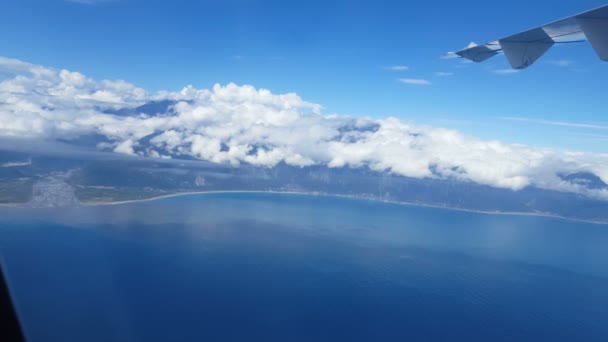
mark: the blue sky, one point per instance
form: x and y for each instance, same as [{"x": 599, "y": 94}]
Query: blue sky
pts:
[{"x": 336, "y": 54}]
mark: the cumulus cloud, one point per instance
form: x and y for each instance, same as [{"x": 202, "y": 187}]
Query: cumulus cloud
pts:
[
  {"x": 13, "y": 66},
  {"x": 414, "y": 81},
  {"x": 125, "y": 147},
  {"x": 243, "y": 124}
]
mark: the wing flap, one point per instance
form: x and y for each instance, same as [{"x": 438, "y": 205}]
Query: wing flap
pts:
[{"x": 525, "y": 48}]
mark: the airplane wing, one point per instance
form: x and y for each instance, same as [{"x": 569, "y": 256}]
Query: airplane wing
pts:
[{"x": 524, "y": 48}]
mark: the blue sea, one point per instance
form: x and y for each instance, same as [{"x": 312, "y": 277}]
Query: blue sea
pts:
[{"x": 284, "y": 267}]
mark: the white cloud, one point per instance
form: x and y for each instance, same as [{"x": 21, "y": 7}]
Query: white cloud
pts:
[
  {"x": 415, "y": 81},
  {"x": 505, "y": 71},
  {"x": 556, "y": 123},
  {"x": 561, "y": 62},
  {"x": 14, "y": 66},
  {"x": 243, "y": 124},
  {"x": 125, "y": 147},
  {"x": 397, "y": 68},
  {"x": 444, "y": 74}
]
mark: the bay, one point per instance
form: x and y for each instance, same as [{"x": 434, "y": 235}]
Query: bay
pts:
[{"x": 285, "y": 267}]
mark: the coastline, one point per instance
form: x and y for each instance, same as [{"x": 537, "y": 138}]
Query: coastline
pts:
[
  {"x": 210, "y": 192},
  {"x": 485, "y": 212}
]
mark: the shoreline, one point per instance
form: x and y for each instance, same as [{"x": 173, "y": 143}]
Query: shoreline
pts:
[
  {"x": 485, "y": 212},
  {"x": 210, "y": 192}
]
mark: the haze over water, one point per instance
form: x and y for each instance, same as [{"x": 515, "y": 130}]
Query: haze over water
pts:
[{"x": 278, "y": 267}]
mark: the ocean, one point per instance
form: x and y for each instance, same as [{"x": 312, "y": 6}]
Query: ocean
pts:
[{"x": 286, "y": 267}]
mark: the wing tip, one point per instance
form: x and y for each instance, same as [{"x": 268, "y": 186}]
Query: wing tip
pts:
[{"x": 525, "y": 48}]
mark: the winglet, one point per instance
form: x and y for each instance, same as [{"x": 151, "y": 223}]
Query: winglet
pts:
[{"x": 477, "y": 53}]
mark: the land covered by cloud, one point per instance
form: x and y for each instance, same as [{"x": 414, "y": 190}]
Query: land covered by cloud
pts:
[{"x": 242, "y": 124}]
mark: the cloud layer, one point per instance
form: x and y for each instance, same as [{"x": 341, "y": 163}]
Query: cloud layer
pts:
[{"x": 241, "y": 124}]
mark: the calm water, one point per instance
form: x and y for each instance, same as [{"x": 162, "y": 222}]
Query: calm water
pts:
[{"x": 269, "y": 267}]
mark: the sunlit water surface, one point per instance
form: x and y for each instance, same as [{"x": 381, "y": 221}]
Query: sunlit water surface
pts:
[{"x": 270, "y": 267}]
